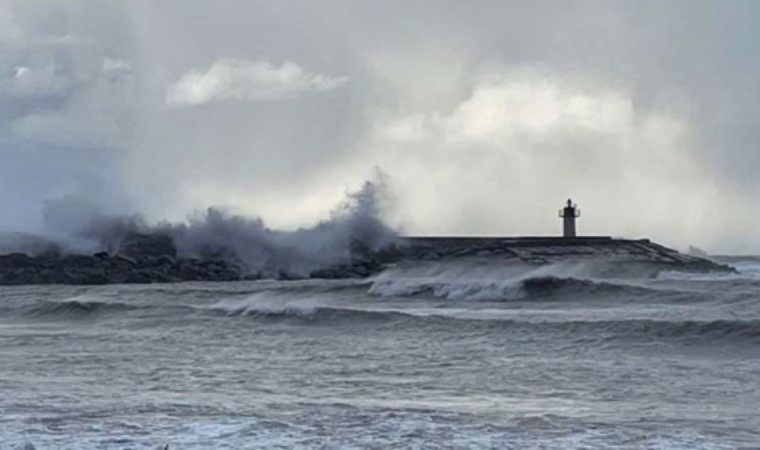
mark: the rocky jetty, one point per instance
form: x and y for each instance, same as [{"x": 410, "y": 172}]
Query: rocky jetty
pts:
[
  {"x": 620, "y": 257},
  {"x": 153, "y": 258},
  {"x": 544, "y": 250},
  {"x": 141, "y": 259}
]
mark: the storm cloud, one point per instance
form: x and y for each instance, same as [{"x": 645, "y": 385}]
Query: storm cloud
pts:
[{"x": 484, "y": 116}]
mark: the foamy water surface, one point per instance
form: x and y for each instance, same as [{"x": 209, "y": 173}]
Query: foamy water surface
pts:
[{"x": 456, "y": 355}]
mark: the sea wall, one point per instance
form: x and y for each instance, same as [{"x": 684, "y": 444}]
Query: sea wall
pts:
[
  {"x": 153, "y": 258},
  {"x": 642, "y": 256}
]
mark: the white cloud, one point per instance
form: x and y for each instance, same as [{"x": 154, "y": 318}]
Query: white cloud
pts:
[
  {"x": 255, "y": 81},
  {"x": 39, "y": 81},
  {"x": 519, "y": 104},
  {"x": 519, "y": 143}
]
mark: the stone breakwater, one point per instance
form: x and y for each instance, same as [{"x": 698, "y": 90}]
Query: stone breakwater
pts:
[
  {"x": 141, "y": 258},
  {"x": 635, "y": 257},
  {"x": 154, "y": 259},
  {"x": 18, "y": 268}
]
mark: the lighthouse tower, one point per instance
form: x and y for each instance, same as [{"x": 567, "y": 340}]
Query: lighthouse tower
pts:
[{"x": 568, "y": 214}]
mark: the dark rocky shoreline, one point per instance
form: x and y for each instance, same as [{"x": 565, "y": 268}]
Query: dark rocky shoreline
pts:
[
  {"x": 154, "y": 259},
  {"x": 19, "y": 268},
  {"x": 142, "y": 258}
]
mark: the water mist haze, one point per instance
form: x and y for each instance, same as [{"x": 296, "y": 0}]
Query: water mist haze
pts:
[{"x": 75, "y": 225}]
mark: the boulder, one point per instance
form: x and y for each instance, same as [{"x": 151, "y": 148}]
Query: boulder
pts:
[{"x": 138, "y": 245}]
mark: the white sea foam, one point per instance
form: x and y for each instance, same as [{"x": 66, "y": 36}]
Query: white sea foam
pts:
[
  {"x": 366, "y": 372},
  {"x": 477, "y": 279},
  {"x": 265, "y": 303},
  {"x": 750, "y": 269},
  {"x": 407, "y": 430},
  {"x": 84, "y": 300},
  {"x": 746, "y": 270}
]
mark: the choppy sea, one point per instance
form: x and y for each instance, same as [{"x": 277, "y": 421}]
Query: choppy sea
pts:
[{"x": 462, "y": 355}]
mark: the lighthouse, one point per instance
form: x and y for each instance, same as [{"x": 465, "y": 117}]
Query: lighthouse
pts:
[{"x": 568, "y": 214}]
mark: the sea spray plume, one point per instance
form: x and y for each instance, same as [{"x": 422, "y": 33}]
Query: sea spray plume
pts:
[
  {"x": 82, "y": 225},
  {"x": 110, "y": 231},
  {"x": 361, "y": 214},
  {"x": 31, "y": 244},
  {"x": 216, "y": 234},
  {"x": 354, "y": 225}
]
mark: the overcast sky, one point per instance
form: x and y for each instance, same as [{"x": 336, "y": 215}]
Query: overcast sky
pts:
[{"x": 483, "y": 116}]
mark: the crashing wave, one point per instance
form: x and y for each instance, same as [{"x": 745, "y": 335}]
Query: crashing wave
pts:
[
  {"x": 266, "y": 305},
  {"x": 489, "y": 280},
  {"x": 80, "y": 306}
]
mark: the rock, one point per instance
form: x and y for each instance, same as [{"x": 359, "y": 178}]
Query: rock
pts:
[
  {"x": 15, "y": 260},
  {"x": 140, "y": 276},
  {"x": 138, "y": 245},
  {"x": 101, "y": 268}
]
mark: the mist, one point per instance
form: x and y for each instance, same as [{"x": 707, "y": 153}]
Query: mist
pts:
[
  {"x": 484, "y": 117},
  {"x": 76, "y": 225}
]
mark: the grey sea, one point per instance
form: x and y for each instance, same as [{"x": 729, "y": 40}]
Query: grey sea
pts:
[{"x": 461, "y": 355}]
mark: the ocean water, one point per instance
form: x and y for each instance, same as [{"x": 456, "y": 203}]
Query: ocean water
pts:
[{"x": 463, "y": 354}]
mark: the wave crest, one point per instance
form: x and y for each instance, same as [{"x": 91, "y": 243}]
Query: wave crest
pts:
[
  {"x": 485, "y": 280},
  {"x": 81, "y": 306},
  {"x": 269, "y": 304}
]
